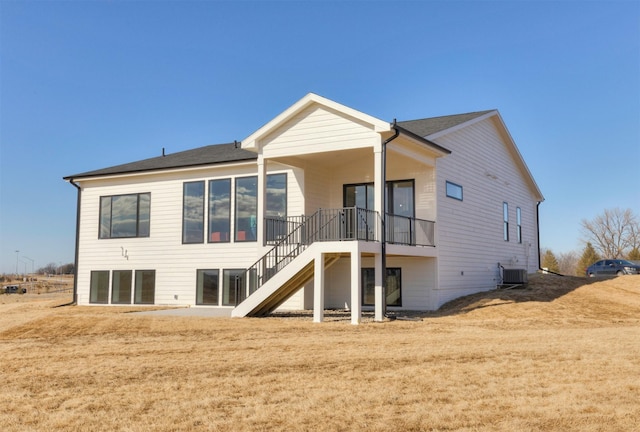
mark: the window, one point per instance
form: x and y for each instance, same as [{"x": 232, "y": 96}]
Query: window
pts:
[
  {"x": 193, "y": 212},
  {"x": 246, "y": 208},
  {"x": 394, "y": 297},
  {"x": 207, "y": 287},
  {"x": 276, "y": 196},
  {"x": 231, "y": 291},
  {"x": 454, "y": 191},
  {"x": 400, "y": 197},
  {"x": 121, "y": 287},
  {"x": 99, "y": 289},
  {"x": 219, "y": 210},
  {"x": 145, "y": 291},
  {"x": 359, "y": 195},
  {"x": 123, "y": 216},
  {"x": 519, "y": 222},
  {"x": 505, "y": 217}
]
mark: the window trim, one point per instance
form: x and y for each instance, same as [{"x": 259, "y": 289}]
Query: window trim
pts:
[
  {"x": 113, "y": 282},
  {"x": 505, "y": 224},
  {"x": 184, "y": 196},
  {"x": 110, "y": 198},
  {"x": 209, "y": 230},
  {"x": 519, "y": 224},
  {"x": 389, "y": 269},
  {"x": 91, "y": 286},
  {"x": 450, "y": 183},
  {"x": 140, "y": 273},
  {"x": 235, "y": 208},
  {"x": 200, "y": 291}
]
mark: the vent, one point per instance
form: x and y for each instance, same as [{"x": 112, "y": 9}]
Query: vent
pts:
[{"x": 514, "y": 276}]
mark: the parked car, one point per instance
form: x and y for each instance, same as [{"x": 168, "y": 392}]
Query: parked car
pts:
[
  {"x": 613, "y": 267},
  {"x": 14, "y": 289}
]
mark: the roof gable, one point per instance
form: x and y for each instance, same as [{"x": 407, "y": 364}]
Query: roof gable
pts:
[{"x": 252, "y": 142}]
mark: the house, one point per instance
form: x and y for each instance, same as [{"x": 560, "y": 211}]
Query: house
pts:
[{"x": 292, "y": 217}]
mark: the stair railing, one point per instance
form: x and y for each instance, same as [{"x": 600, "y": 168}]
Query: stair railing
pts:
[{"x": 349, "y": 223}]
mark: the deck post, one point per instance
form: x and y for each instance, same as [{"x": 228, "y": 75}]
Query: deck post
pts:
[
  {"x": 262, "y": 187},
  {"x": 318, "y": 288},
  {"x": 356, "y": 296},
  {"x": 379, "y": 313},
  {"x": 379, "y": 191}
]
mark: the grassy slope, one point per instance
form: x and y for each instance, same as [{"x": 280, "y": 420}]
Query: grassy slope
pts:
[{"x": 560, "y": 355}]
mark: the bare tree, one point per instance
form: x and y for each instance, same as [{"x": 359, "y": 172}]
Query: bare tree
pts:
[
  {"x": 614, "y": 233},
  {"x": 567, "y": 262}
]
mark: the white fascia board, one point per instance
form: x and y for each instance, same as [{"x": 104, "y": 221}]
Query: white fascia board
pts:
[
  {"x": 252, "y": 141},
  {"x": 519, "y": 159},
  {"x": 510, "y": 142},
  {"x": 161, "y": 171}
]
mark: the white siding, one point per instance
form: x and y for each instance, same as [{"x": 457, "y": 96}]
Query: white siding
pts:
[
  {"x": 318, "y": 129},
  {"x": 470, "y": 232},
  {"x": 175, "y": 263},
  {"x": 418, "y": 281}
]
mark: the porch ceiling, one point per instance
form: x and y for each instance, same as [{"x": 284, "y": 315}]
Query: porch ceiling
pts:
[{"x": 331, "y": 159}]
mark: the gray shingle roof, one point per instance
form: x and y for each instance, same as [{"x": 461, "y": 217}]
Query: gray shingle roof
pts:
[
  {"x": 212, "y": 154},
  {"x": 429, "y": 126},
  {"x": 224, "y": 153}
]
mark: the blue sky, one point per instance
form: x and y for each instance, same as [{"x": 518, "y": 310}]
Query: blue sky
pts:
[{"x": 87, "y": 85}]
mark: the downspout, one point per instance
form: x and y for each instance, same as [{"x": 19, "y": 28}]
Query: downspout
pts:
[
  {"x": 384, "y": 216},
  {"x": 75, "y": 265}
]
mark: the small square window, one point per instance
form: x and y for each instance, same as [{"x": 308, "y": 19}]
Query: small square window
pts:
[{"x": 454, "y": 191}]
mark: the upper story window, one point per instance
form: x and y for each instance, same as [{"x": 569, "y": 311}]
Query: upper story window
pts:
[
  {"x": 454, "y": 191},
  {"x": 219, "y": 210},
  {"x": 123, "y": 216},
  {"x": 246, "y": 208},
  {"x": 193, "y": 212},
  {"x": 505, "y": 218}
]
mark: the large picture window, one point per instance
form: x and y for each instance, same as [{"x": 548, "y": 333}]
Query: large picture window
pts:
[
  {"x": 145, "y": 288},
  {"x": 99, "y": 287},
  {"x": 193, "y": 212},
  {"x": 219, "y": 210},
  {"x": 246, "y": 208},
  {"x": 207, "y": 287},
  {"x": 121, "y": 287},
  {"x": 123, "y": 216},
  {"x": 394, "y": 284}
]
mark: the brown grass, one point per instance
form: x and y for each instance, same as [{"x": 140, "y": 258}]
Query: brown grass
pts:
[{"x": 561, "y": 355}]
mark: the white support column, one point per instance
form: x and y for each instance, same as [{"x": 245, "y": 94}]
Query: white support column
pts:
[
  {"x": 379, "y": 313},
  {"x": 318, "y": 288},
  {"x": 356, "y": 292},
  {"x": 378, "y": 191},
  {"x": 262, "y": 188}
]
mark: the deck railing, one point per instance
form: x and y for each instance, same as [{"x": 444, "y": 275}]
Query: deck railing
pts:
[
  {"x": 291, "y": 236},
  {"x": 409, "y": 231},
  {"x": 296, "y": 234}
]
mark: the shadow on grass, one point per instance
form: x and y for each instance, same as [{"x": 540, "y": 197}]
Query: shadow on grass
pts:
[{"x": 541, "y": 288}]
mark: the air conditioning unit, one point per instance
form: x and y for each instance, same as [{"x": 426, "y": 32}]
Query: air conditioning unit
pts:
[{"x": 514, "y": 276}]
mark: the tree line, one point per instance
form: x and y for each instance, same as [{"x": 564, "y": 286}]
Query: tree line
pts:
[{"x": 614, "y": 234}]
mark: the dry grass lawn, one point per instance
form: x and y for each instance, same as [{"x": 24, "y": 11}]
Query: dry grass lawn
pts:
[{"x": 560, "y": 355}]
